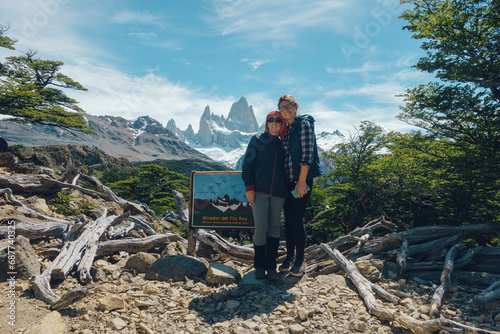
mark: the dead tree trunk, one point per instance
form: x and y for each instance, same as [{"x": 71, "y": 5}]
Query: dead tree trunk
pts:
[
  {"x": 493, "y": 292},
  {"x": 73, "y": 251},
  {"x": 137, "y": 244},
  {"x": 445, "y": 278}
]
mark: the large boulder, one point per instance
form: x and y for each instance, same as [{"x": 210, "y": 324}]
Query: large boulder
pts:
[
  {"x": 176, "y": 268},
  {"x": 25, "y": 260},
  {"x": 141, "y": 262}
]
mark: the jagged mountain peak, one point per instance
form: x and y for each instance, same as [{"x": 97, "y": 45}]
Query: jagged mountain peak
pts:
[
  {"x": 206, "y": 114},
  {"x": 241, "y": 117}
]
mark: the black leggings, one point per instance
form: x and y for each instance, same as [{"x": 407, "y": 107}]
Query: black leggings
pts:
[{"x": 295, "y": 231}]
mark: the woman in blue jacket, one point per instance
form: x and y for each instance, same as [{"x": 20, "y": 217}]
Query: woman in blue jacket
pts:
[
  {"x": 263, "y": 173},
  {"x": 301, "y": 167}
]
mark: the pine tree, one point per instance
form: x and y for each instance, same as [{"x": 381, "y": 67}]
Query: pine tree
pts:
[{"x": 30, "y": 91}]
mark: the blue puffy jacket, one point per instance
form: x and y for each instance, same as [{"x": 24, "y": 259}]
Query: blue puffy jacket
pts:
[{"x": 263, "y": 165}]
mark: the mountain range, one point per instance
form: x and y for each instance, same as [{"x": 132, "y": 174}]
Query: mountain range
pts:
[{"x": 221, "y": 139}]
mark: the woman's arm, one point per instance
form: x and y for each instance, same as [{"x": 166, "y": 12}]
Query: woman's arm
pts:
[{"x": 306, "y": 136}]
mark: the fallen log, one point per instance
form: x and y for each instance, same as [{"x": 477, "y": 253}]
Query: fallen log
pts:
[
  {"x": 72, "y": 251},
  {"x": 430, "y": 266},
  {"x": 28, "y": 184},
  {"x": 426, "y": 233},
  {"x": 394, "y": 316},
  {"x": 136, "y": 245},
  {"x": 38, "y": 230},
  {"x": 88, "y": 244},
  {"x": 448, "y": 267},
  {"x": 491, "y": 293}
]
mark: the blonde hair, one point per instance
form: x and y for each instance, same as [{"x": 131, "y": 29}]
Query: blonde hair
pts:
[{"x": 289, "y": 98}]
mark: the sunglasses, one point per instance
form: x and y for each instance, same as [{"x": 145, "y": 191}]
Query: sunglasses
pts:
[
  {"x": 288, "y": 106},
  {"x": 272, "y": 120}
]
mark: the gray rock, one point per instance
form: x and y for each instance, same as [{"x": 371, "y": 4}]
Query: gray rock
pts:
[
  {"x": 25, "y": 260},
  {"x": 370, "y": 269},
  {"x": 219, "y": 273},
  {"x": 176, "y": 268},
  {"x": 141, "y": 262},
  {"x": 98, "y": 274}
]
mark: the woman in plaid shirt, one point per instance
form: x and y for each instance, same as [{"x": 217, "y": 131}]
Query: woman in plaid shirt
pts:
[{"x": 301, "y": 167}]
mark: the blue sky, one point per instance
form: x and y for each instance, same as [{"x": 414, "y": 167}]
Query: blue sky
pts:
[{"x": 344, "y": 61}]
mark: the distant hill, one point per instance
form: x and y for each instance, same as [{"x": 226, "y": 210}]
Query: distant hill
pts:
[{"x": 186, "y": 166}]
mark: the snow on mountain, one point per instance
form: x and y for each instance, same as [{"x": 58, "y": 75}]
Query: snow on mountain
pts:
[
  {"x": 327, "y": 140},
  {"x": 226, "y": 139}
]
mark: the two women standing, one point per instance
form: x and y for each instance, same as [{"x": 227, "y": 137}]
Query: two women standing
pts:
[{"x": 279, "y": 175}]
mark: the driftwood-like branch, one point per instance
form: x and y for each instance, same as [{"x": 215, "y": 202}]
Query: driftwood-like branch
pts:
[
  {"x": 386, "y": 314},
  {"x": 420, "y": 234},
  {"x": 89, "y": 243},
  {"x": 491, "y": 293},
  {"x": 136, "y": 245},
  {"x": 8, "y": 193},
  {"x": 316, "y": 252},
  {"x": 426, "y": 233},
  {"x": 364, "y": 286},
  {"x": 38, "y": 230},
  {"x": 108, "y": 193},
  {"x": 460, "y": 263},
  {"x": 143, "y": 224},
  {"x": 41, "y": 287},
  {"x": 85, "y": 245},
  {"x": 445, "y": 279}
]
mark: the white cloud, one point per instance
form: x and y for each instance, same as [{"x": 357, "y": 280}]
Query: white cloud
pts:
[
  {"x": 146, "y": 18},
  {"x": 369, "y": 66},
  {"x": 277, "y": 21},
  {"x": 377, "y": 93},
  {"x": 255, "y": 63}
]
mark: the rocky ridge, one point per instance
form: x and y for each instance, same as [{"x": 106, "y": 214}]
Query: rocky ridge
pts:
[{"x": 143, "y": 139}]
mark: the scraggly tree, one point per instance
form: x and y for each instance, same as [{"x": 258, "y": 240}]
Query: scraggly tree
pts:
[
  {"x": 30, "y": 91},
  {"x": 461, "y": 108},
  {"x": 461, "y": 38}
]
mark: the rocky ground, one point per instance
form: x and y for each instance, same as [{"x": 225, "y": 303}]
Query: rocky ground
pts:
[{"x": 123, "y": 301}]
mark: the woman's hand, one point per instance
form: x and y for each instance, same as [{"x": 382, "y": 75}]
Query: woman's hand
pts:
[
  {"x": 251, "y": 195},
  {"x": 301, "y": 189}
]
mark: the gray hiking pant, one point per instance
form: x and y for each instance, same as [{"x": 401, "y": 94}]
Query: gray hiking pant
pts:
[{"x": 266, "y": 215}]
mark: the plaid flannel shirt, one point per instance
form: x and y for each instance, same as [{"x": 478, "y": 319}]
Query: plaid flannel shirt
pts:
[{"x": 306, "y": 135}]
